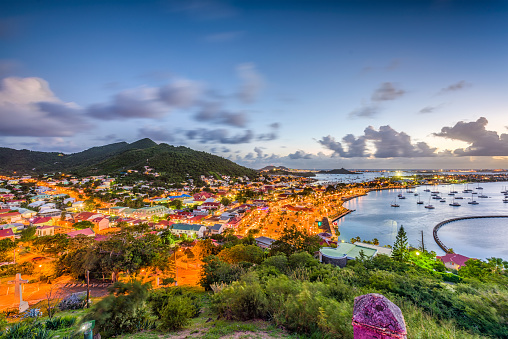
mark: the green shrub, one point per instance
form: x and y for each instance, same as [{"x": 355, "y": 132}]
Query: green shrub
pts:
[
  {"x": 280, "y": 262},
  {"x": 58, "y": 323},
  {"x": 158, "y": 299},
  {"x": 302, "y": 259},
  {"x": 122, "y": 311},
  {"x": 243, "y": 300},
  {"x": 176, "y": 313}
]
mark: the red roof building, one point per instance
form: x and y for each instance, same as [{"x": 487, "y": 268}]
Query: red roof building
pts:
[
  {"x": 6, "y": 234},
  {"x": 453, "y": 261}
]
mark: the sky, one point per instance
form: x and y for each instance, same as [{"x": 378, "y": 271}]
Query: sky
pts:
[{"x": 304, "y": 84}]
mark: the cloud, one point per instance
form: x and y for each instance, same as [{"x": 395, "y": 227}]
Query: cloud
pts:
[
  {"x": 300, "y": 155},
  {"x": 252, "y": 82},
  {"x": 28, "y": 107},
  {"x": 356, "y": 146},
  {"x": 388, "y": 143},
  {"x": 180, "y": 93},
  {"x": 220, "y": 135},
  {"x": 213, "y": 112},
  {"x": 482, "y": 142},
  {"x": 108, "y": 138},
  {"x": 224, "y": 36},
  {"x": 259, "y": 152},
  {"x": 366, "y": 111},
  {"x": 156, "y": 133},
  {"x": 387, "y": 91},
  {"x": 392, "y": 144},
  {"x": 429, "y": 109},
  {"x": 130, "y": 104},
  {"x": 270, "y": 135},
  {"x": 455, "y": 87}
]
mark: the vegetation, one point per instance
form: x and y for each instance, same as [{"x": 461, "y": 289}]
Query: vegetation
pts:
[{"x": 174, "y": 164}]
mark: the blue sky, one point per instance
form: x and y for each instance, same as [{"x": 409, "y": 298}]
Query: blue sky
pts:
[{"x": 305, "y": 84}]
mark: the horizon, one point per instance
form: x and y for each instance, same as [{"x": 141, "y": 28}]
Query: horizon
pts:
[{"x": 307, "y": 84}]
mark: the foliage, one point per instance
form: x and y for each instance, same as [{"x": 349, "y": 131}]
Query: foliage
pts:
[
  {"x": 122, "y": 311},
  {"x": 28, "y": 234},
  {"x": 57, "y": 323},
  {"x": 280, "y": 262},
  {"x": 293, "y": 240},
  {"x": 27, "y": 329},
  {"x": 243, "y": 300},
  {"x": 25, "y": 268},
  {"x": 80, "y": 225},
  {"x": 215, "y": 270},
  {"x": 204, "y": 248},
  {"x": 242, "y": 253},
  {"x": 400, "y": 251},
  {"x": 6, "y": 247}
]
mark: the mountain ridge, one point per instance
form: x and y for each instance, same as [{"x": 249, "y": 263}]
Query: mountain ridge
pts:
[{"x": 173, "y": 162}]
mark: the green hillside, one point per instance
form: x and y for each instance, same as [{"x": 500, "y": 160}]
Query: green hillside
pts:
[{"x": 173, "y": 163}]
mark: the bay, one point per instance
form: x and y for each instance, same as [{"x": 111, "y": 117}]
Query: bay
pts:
[{"x": 375, "y": 218}]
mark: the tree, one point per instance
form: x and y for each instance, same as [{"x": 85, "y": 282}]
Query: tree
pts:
[
  {"x": 293, "y": 240},
  {"x": 400, "y": 251},
  {"x": 6, "y": 246},
  {"x": 83, "y": 224},
  {"x": 28, "y": 234},
  {"x": 225, "y": 201},
  {"x": 204, "y": 248}
]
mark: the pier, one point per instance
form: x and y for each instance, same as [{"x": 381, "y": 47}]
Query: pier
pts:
[{"x": 442, "y": 223}]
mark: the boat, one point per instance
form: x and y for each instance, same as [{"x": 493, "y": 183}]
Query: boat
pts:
[
  {"x": 479, "y": 188},
  {"x": 429, "y": 206},
  {"x": 416, "y": 194},
  {"x": 426, "y": 190},
  {"x": 442, "y": 200},
  {"x": 402, "y": 197},
  {"x": 467, "y": 190},
  {"x": 474, "y": 202},
  {"x": 454, "y": 203},
  {"x": 419, "y": 201},
  {"x": 505, "y": 200},
  {"x": 394, "y": 204},
  {"x": 483, "y": 196},
  {"x": 459, "y": 198}
]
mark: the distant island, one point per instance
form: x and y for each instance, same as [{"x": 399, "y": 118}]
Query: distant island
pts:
[{"x": 337, "y": 171}]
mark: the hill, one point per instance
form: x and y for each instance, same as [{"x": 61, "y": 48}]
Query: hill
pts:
[
  {"x": 173, "y": 163},
  {"x": 337, "y": 171}
]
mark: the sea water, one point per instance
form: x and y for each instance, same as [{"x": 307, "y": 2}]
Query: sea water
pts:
[{"x": 479, "y": 238}]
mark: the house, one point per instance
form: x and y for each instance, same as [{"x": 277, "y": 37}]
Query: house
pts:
[
  {"x": 188, "y": 229},
  {"x": 100, "y": 223},
  {"x": 51, "y": 212},
  {"x": 264, "y": 242},
  {"x": 42, "y": 221},
  {"x": 45, "y": 230},
  {"x": 6, "y": 234},
  {"x": 148, "y": 212},
  {"x": 453, "y": 261},
  {"x": 217, "y": 229},
  {"x": 10, "y": 217},
  {"x": 88, "y": 232}
]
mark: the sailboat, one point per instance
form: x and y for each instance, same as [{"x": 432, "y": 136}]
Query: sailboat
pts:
[
  {"x": 429, "y": 206},
  {"x": 419, "y": 201},
  {"x": 467, "y": 190},
  {"x": 479, "y": 188},
  {"x": 454, "y": 203},
  {"x": 394, "y": 204}
]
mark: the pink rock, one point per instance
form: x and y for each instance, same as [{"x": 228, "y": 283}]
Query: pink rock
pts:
[{"x": 376, "y": 317}]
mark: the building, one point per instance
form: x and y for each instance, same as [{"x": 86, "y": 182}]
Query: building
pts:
[
  {"x": 453, "y": 261},
  {"x": 345, "y": 251},
  {"x": 148, "y": 212},
  {"x": 88, "y": 232},
  {"x": 188, "y": 229},
  {"x": 217, "y": 229},
  {"x": 6, "y": 234},
  {"x": 264, "y": 242},
  {"x": 45, "y": 230}
]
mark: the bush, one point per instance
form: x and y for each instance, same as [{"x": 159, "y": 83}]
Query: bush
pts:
[
  {"x": 158, "y": 299},
  {"x": 123, "y": 311},
  {"x": 27, "y": 329},
  {"x": 216, "y": 271},
  {"x": 243, "y": 300},
  {"x": 60, "y": 322},
  {"x": 176, "y": 313},
  {"x": 302, "y": 259},
  {"x": 75, "y": 301},
  {"x": 280, "y": 262}
]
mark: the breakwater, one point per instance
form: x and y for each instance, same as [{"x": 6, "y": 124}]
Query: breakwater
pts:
[{"x": 442, "y": 223}]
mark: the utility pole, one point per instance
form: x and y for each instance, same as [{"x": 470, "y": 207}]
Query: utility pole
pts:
[
  {"x": 87, "y": 288},
  {"x": 423, "y": 244}
]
